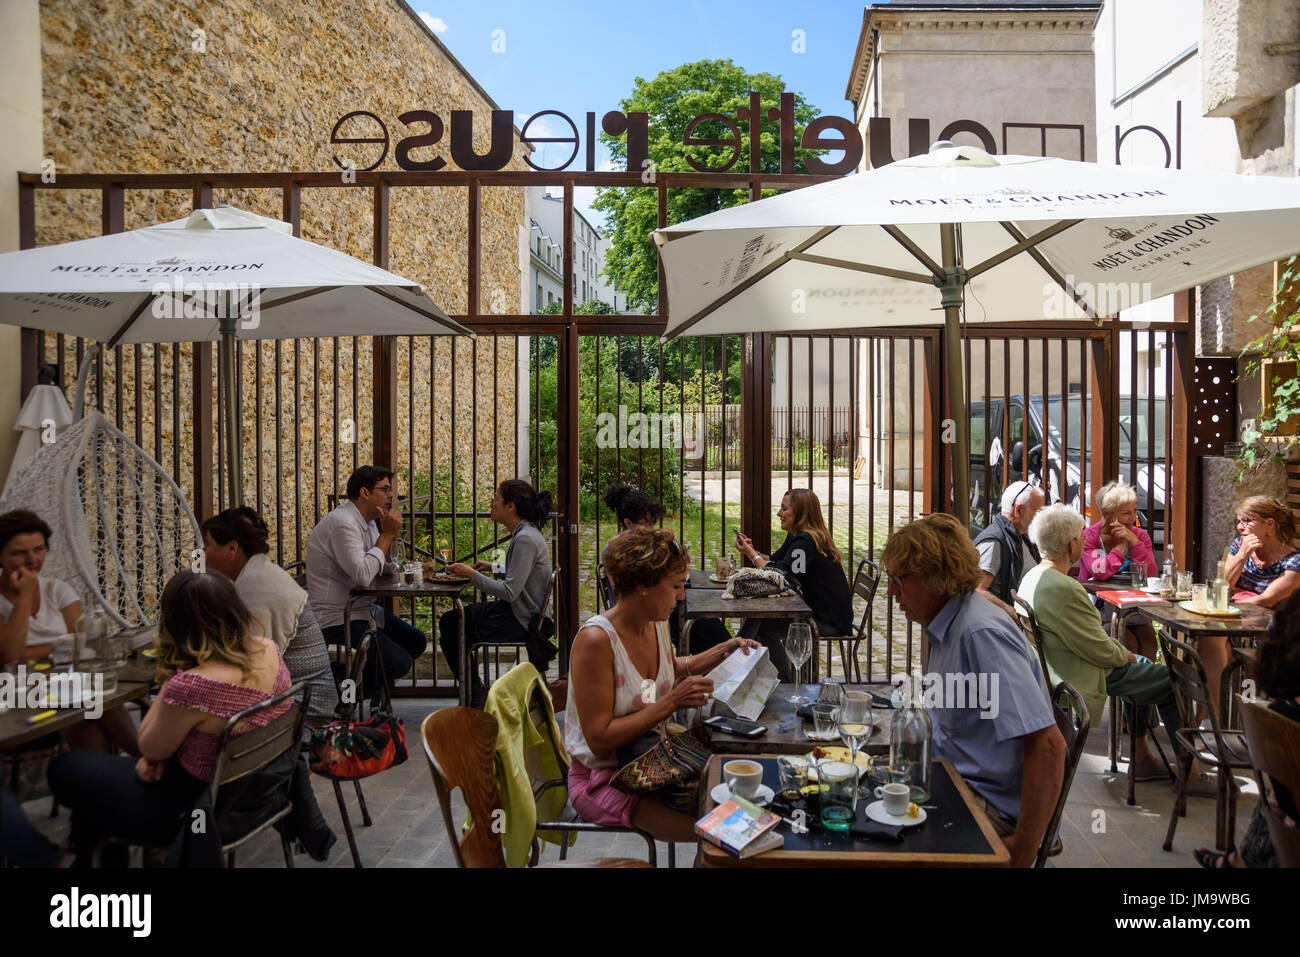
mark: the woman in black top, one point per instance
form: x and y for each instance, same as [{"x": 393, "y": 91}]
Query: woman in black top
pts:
[
  {"x": 809, "y": 556},
  {"x": 633, "y": 508}
]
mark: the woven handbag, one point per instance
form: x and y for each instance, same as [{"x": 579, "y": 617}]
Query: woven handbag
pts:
[
  {"x": 758, "y": 583},
  {"x": 666, "y": 765}
]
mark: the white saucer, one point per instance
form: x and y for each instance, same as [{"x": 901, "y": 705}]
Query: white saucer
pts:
[
  {"x": 718, "y": 581},
  {"x": 876, "y": 811},
  {"x": 722, "y": 793}
]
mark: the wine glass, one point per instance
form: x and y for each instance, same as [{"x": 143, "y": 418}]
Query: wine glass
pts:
[
  {"x": 855, "y": 722},
  {"x": 446, "y": 557},
  {"x": 798, "y": 646}
]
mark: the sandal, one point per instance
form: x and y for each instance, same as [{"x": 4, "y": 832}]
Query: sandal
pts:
[{"x": 1211, "y": 859}]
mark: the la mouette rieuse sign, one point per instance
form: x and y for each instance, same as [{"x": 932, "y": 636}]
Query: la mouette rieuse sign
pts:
[{"x": 425, "y": 137}]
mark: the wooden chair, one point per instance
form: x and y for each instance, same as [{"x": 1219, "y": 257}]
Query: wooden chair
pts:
[
  {"x": 1072, "y": 718},
  {"x": 1224, "y": 749},
  {"x": 865, "y": 582},
  {"x": 1274, "y": 741},
  {"x": 569, "y": 822},
  {"x": 459, "y": 744},
  {"x": 480, "y": 647}
]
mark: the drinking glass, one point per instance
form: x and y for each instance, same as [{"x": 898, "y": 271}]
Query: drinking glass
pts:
[
  {"x": 855, "y": 722},
  {"x": 826, "y": 719},
  {"x": 1184, "y": 585},
  {"x": 837, "y": 787},
  {"x": 1138, "y": 574},
  {"x": 1200, "y": 594},
  {"x": 830, "y": 691},
  {"x": 798, "y": 646},
  {"x": 793, "y": 772}
]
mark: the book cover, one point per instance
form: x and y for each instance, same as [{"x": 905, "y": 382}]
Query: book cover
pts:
[
  {"x": 738, "y": 826},
  {"x": 1129, "y": 597}
]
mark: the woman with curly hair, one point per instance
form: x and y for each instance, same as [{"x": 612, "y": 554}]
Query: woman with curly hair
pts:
[
  {"x": 213, "y": 666},
  {"x": 624, "y": 680}
]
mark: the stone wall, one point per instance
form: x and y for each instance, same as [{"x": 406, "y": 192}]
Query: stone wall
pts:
[{"x": 136, "y": 88}]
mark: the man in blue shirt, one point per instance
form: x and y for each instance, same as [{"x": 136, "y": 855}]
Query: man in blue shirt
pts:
[{"x": 985, "y": 690}]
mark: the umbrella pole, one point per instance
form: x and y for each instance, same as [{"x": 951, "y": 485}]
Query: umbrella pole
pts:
[
  {"x": 227, "y": 382},
  {"x": 951, "y": 290}
]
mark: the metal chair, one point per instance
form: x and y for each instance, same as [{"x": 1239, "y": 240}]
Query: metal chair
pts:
[
  {"x": 1029, "y": 625},
  {"x": 481, "y": 646},
  {"x": 346, "y": 712},
  {"x": 298, "y": 570},
  {"x": 1073, "y": 719},
  {"x": 569, "y": 821},
  {"x": 239, "y": 755},
  {"x": 604, "y": 590},
  {"x": 1225, "y": 749},
  {"x": 1274, "y": 741},
  {"x": 865, "y": 582},
  {"x": 460, "y": 744}
]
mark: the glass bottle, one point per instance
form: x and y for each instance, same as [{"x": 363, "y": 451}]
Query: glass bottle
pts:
[
  {"x": 910, "y": 742},
  {"x": 1219, "y": 595}
]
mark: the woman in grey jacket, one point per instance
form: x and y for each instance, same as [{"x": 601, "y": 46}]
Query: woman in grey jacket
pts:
[{"x": 519, "y": 595}]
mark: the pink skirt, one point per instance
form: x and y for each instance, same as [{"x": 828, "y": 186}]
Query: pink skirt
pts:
[{"x": 598, "y": 801}]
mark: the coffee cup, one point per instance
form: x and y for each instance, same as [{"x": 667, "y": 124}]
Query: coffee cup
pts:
[
  {"x": 743, "y": 778},
  {"x": 895, "y": 796}
]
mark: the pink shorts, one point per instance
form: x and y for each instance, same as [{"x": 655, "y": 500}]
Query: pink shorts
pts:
[{"x": 598, "y": 801}]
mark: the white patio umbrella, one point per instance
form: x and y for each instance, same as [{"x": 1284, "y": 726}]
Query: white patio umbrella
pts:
[
  {"x": 1030, "y": 237},
  {"x": 219, "y": 274}
]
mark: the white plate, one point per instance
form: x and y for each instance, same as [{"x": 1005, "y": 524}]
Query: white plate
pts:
[
  {"x": 876, "y": 811},
  {"x": 722, "y": 793},
  {"x": 718, "y": 581}
]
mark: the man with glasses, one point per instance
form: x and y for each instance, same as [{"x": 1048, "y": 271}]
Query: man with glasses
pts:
[
  {"x": 1009, "y": 749},
  {"x": 349, "y": 547},
  {"x": 1006, "y": 552}
]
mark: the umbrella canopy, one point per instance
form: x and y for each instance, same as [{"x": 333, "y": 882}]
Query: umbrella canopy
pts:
[
  {"x": 219, "y": 274},
  {"x": 166, "y": 283},
  {"x": 1031, "y": 237}
]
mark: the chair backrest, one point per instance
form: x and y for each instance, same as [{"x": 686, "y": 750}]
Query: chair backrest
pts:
[
  {"x": 349, "y": 709},
  {"x": 298, "y": 570},
  {"x": 1073, "y": 720},
  {"x": 1187, "y": 675},
  {"x": 459, "y": 744},
  {"x": 239, "y": 755},
  {"x": 865, "y": 582},
  {"x": 545, "y": 611},
  {"x": 1029, "y": 625},
  {"x": 604, "y": 589},
  {"x": 1274, "y": 742}
]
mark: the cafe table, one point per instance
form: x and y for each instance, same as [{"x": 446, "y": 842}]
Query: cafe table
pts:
[
  {"x": 956, "y": 832},
  {"x": 390, "y": 586},
  {"x": 134, "y": 680},
  {"x": 709, "y": 603},
  {"x": 787, "y": 733}
]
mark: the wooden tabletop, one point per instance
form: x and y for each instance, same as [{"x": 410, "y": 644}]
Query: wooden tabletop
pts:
[
  {"x": 709, "y": 603},
  {"x": 14, "y": 729},
  {"x": 787, "y": 733},
  {"x": 1253, "y": 620},
  {"x": 702, "y": 578},
  {"x": 956, "y": 832}
]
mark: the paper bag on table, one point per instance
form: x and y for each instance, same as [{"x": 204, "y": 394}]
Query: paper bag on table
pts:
[{"x": 742, "y": 684}]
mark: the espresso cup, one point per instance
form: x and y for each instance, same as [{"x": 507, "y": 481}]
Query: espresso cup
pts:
[
  {"x": 743, "y": 778},
  {"x": 896, "y": 798}
]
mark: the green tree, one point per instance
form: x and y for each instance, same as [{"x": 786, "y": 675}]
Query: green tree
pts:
[{"x": 672, "y": 99}]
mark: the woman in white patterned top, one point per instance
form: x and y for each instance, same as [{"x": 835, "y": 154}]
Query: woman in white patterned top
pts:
[{"x": 624, "y": 680}]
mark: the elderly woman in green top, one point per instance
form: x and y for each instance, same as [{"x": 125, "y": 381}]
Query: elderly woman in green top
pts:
[{"x": 1076, "y": 646}]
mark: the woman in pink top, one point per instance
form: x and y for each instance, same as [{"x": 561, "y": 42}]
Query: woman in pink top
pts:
[
  {"x": 1112, "y": 546},
  {"x": 214, "y": 667},
  {"x": 624, "y": 679}
]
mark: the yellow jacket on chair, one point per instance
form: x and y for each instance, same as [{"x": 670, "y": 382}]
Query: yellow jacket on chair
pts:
[{"x": 525, "y": 759}]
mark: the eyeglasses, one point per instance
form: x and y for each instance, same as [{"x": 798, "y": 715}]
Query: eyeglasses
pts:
[
  {"x": 386, "y": 489},
  {"x": 898, "y": 581}
]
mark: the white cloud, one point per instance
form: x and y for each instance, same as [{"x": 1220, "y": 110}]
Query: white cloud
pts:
[
  {"x": 542, "y": 128},
  {"x": 436, "y": 24}
]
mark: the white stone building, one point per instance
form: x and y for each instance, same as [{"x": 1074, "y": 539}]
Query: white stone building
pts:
[{"x": 546, "y": 255}]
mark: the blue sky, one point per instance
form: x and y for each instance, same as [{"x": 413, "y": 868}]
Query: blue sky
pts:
[{"x": 585, "y": 55}]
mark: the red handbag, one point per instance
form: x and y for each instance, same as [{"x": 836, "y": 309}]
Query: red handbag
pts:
[{"x": 357, "y": 749}]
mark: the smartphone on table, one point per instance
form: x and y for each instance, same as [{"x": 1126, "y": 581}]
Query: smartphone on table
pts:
[{"x": 737, "y": 726}]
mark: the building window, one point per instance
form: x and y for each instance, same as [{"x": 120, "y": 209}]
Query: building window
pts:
[
  {"x": 539, "y": 296},
  {"x": 550, "y": 297},
  {"x": 584, "y": 290}
]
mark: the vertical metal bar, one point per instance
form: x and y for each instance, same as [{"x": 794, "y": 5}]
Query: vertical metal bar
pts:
[
  {"x": 356, "y": 402},
  {"x": 911, "y": 427},
  {"x": 789, "y": 412},
  {"x": 1046, "y": 423},
  {"x": 889, "y": 485},
  {"x": 257, "y": 425},
  {"x": 811, "y": 437}
]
